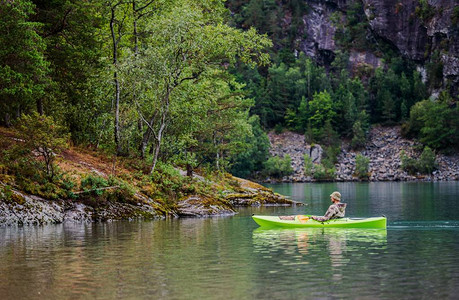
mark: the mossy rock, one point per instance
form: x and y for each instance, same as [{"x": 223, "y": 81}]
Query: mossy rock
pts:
[{"x": 17, "y": 198}]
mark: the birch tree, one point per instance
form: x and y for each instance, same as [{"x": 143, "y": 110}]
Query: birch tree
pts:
[{"x": 186, "y": 41}]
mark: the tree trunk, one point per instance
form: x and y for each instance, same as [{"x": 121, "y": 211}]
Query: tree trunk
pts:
[
  {"x": 136, "y": 38},
  {"x": 117, "y": 114},
  {"x": 117, "y": 85},
  {"x": 189, "y": 170},
  {"x": 162, "y": 127},
  {"x": 145, "y": 140},
  {"x": 158, "y": 142},
  {"x": 40, "y": 106},
  {"x": 7, "y": 120}
]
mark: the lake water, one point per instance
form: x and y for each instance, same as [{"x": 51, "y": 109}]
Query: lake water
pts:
[{"x": 417, "y": 257}]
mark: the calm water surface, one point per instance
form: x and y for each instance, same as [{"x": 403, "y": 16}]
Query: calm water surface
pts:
[{"x": 232, "y": 258}]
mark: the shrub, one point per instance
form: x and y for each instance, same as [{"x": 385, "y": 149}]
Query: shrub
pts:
[
  {"x": 308, "y": 165},
  {"x": 408, "y": 163},
  {"x": 124, "y": 193},
  {"x": 361, "y": 166},
  {"x": 6, "y": 193},
  {"x": 94, "y": 184},
  {"x": 426, "y": 163},
  {"x": 358, "y": 139},
  {"x": 43, "y": 135},
  {"x": 278, "y": 129},
  {"x": 434, "y": 123},
  {"x": 322, "y": 173},
  {"x": 278, "y": 167}
]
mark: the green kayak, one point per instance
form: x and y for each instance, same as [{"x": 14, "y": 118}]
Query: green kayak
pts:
[{"x": 300, "y": 221}]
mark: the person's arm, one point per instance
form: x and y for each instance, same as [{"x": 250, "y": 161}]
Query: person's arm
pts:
[{"x": 331, "y": 211}]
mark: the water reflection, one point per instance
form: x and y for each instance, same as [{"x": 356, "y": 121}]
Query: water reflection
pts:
[
  {"x": 229, "y": 258},
  {"x": 331, "y": 247}
]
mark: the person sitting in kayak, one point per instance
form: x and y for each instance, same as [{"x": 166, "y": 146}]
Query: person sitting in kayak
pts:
[{"x": 336, "y": 210}]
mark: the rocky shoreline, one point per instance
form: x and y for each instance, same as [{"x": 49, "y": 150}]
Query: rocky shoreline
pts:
[
  {"x": 32, "y": 210},
  {"x": 383, "y": 148}
]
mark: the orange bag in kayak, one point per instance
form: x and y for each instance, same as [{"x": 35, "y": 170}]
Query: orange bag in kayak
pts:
[{"x": 303, "y": 219}]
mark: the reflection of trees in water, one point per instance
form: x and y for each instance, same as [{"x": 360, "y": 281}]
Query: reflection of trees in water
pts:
[
  {"x": 71, "y": 260},
  {"x": 321, "y": 249}
]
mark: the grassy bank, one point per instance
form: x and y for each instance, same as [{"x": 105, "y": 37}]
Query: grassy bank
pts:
[{"x": 98, "y": 180}]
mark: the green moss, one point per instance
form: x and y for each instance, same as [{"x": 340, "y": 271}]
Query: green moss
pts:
[{"x": 455, "y": 16}]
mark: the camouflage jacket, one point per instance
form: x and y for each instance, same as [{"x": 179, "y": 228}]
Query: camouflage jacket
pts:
[{"x": 336, "y": 210}]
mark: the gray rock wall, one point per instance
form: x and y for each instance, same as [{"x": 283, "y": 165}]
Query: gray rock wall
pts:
[
  {"x": 384, "y": 147},
  {"x": 396, "y": 22},
  {"x": 417, "y": 38}
]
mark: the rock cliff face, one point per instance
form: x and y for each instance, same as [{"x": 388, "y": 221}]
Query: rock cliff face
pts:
[
  {"x": 418, "y": 31},
  {"x": 383, "y": 148},
  {"x": 319, "y": 33}
]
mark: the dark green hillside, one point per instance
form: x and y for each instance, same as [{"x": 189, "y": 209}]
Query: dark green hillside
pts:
[{"x": 197, "y": 84}]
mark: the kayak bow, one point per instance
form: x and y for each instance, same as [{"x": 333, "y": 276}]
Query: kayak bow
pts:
[{"x": 304, "y": 221}]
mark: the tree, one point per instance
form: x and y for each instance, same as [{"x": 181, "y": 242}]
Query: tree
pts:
[
  {"x": 23, "y": 67},
  {"x": 358, "y": 139},
  {"x": 247, "y": 162},
  {"x": 74, "y": 48},
  {"x": 321, "y": 111},
  {"x": 42, "y": 135},
  {"x": 278, "y": 167},
  {"x": 308, "y": 165},
  {"x": 185, "y": 43},
  {"x": 434, "y": 123},
  {"x": 361, "y": 166},
  {"x": 118, "y": 15},
  {"x": 213, "y": 115}
]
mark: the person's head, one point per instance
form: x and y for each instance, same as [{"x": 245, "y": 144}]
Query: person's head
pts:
[{"x": 335, "y": 197}]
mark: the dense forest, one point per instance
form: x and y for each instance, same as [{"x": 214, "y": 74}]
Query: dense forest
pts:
[{"x": 197, "y": 84}]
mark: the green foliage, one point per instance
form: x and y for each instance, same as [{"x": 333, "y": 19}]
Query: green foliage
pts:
[
  {"x": 359, "y": 131},
  {"x": 23, "y": 67},
  {"x": 6, "y": 193},
  {"x": 282, "y": 97},
  {"x": 182, "y": 88},
  {"x": 330, "y": 156},
  {"x": 426, "y": 163},
  {"x": 434, "y": 123},
  {"x": 278, "y": 167},
  {"x": 168, "y": 182},
  {"x": 29, "y": 175},
  {"x": 308, "y": 165},
  {"x": 320, "y": 109},
  {"x": 94, "y": 184},
  {"x": 352, "y": 30},
  {"x": 266, "y": 17},
  {"x": 72, "y": 31},
  {"x": 250, "y": 161},
  {"x": 361, "y": 166},
  {"x": 97, "y": 190},
  {"x": 324, "y": 173},
  {"x": 189, "y": 86},
  {"x": 434, "y": 70},
  {"x": 327, "y": 135},
  {"x": 424, "y": 11},
  {"x": 326, "y": 170},
  {"x": 124, "y": 192},
  {"x": 455, "y": 16},
  {"x": 395, "y": 92},
  {"x": 43, "y": 135}
]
